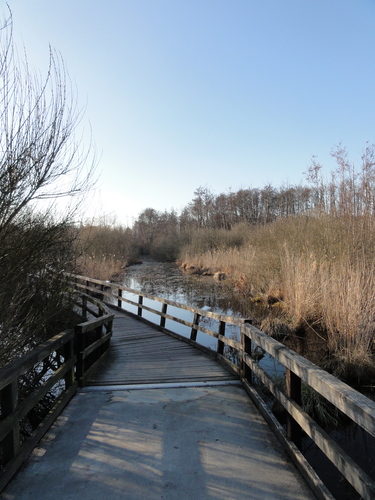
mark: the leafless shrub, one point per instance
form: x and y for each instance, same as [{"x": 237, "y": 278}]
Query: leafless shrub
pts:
[{"x": 40, "y": 162}]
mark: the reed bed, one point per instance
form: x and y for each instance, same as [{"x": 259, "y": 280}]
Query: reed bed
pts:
[
  {"x": 103, "y": 251},
  {"x": 101, "y": 267},
  {"x": 319, "y": 271}
]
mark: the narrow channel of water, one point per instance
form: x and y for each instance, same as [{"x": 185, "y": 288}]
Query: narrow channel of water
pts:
[{"x": 166, "y": 280}]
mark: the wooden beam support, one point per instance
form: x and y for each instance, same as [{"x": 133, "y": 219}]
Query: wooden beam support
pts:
[
  {"x": 140, "y": 303},
  {"x": 194, "y": 329},
  {"x": 119, "y": 295},
  {"x": 220, "y": 343},
  {"x": 293, "y": 391},
  {"x": 163, "y": 313}
]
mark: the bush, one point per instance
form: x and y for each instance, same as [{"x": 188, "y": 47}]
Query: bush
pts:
[{"x": 39, "y": 161}]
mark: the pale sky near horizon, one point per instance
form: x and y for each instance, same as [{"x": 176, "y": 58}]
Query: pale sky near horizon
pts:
[{"x": 217, "y": 93}]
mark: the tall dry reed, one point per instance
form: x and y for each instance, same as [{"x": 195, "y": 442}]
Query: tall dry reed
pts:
[
  {"x": 320, "y": 268},
  {"x": 103, "y": 267},
  {"x": 103, "y": 251},
  {"x": 348, "y": 312}
]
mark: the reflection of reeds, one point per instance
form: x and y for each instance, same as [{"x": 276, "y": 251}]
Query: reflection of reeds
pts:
[{"x": 314, "y": 271}]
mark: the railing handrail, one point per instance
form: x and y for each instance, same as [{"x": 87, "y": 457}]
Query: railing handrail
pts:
[
  {"x": 352, "y": 403},
  {"x": 20, "y": 366},
  {"x": 79, "y": 360},
  {"x": 209, "y": 314},
  {"x": 361, "y": 409},
  {"x": 310, "y": 373}
]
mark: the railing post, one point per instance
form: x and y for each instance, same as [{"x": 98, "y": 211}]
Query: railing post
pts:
[
  {"x": 293, "y": 391},
  {"x": 220, "y": 344},
  {"x": 10, "y": 445},
  {"x": 68, "y": 352},
  {"x": 80, "y": 347},
  {"x": 100, "y": 313},
  {"x": 108, "y": 328},
  {"x": 140, "y": 302},
  {"x": 194, "y": 329},
  {"x": 84, "y": 306},
  {"x": 163, "y": 312},
  {"x": 119, "y": 295},
  {"x": 246, "y": 349}
]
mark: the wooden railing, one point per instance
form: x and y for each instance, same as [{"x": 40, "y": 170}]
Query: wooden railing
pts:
[
  {"x": 298, "y": 371},
  {"x": 65, "y": 362}
]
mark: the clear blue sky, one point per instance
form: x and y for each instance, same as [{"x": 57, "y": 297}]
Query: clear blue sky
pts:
[{"x": 217, "y": 93}]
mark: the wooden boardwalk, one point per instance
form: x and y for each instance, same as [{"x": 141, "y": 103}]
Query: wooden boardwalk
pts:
[
  {"x": 141, "y": 354},
  {"x": 115, "y": 441},
  {"x": 158, "y": 412}
]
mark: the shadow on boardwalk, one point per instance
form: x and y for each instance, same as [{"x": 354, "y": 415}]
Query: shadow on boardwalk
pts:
[
  {"x": 186, "y": 443},
  {"x": 199, "y": 443}
]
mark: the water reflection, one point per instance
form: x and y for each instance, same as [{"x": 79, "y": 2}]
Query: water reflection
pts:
[{"x": 169, "y": 282}]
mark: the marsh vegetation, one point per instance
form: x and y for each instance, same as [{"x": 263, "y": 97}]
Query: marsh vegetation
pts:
[{"x": 305, "y": 253}]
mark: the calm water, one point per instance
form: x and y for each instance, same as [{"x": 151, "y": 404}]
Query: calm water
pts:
[{"x": 168, "y": 281}]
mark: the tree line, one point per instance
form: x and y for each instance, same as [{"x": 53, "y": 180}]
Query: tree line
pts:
[{"x": 349, "y": 191}]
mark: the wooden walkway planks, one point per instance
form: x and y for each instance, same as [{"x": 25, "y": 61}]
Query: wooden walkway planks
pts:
[
  {"x": 189, "y": 442},
  {"x": 141, "y": 354}
]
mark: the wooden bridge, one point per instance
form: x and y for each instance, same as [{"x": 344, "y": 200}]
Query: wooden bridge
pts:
[{"x": 160, "y": 415}]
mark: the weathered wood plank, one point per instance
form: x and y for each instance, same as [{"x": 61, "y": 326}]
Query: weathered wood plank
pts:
[
  {"x": 21, "y": 365},
  {"x": 318, "y": 487},
  {"x": 354, "y": 404},
  {"x": 344, "y": 463},
  {"x": 27, "y": 404},
  {"x": 142, "y": 354},
  {"x": 96, "y": 344},
  {"x": 11, "y": 467},
  {"x": 88, "y": 326}
]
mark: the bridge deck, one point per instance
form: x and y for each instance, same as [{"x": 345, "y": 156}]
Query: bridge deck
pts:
[
  {"x": 191, "y": 443},
  {"x": 140, "y": 354}
]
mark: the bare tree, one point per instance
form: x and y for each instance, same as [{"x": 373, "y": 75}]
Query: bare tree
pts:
[
  {"x": 145, "y": 229},
  {"x": 40, "y": 159}
]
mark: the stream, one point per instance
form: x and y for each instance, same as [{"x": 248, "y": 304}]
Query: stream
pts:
[{"x": 166, "y": 280}]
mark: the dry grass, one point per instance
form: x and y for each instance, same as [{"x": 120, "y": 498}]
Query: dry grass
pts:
[
  {"x": 105, "y": 268},
  {"x": 348, "y": 313},
  {"x": 322, "y": 271},
  {"x": 103, "y": 251}
]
